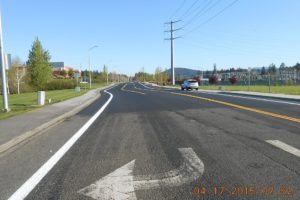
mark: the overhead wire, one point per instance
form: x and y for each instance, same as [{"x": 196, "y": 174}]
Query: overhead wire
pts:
[
  {"x": 204, "y": 2},
  {"x": 178, "y": 9},
  {"x": 213, "y": 17},
  {"x": 188, "y": 10},
  {"x": 203, "y": 11}
]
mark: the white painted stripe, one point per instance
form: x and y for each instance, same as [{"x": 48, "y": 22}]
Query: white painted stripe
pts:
[
  {"x": 285, "y": 147},
  {"x": 253, "y": 98},
  {"x": 164, "y": 89},
  {"x": 145, "y": 86},
  {"x": 32, "y": 182}
]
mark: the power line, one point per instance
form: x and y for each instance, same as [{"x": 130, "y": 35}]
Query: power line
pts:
[
  {"x": 178, "y": 9},
  {"x": 200, "y": 7},
  {"x": 184, "y": 14},
  {"x": 203, "y": 11},
  {"x": 214, "y": 16}
]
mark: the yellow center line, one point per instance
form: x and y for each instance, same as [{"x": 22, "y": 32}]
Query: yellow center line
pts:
[
  {"x": 242, "y": 107},
  {"x": 123, "y": 89}
]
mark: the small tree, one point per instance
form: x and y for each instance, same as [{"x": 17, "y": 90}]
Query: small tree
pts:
[
  {"x": 70, "y": 73},
  {"x": 213, "y": 79},
  {"x": 38, "y": 65},
  {"x": 63, "y": 73},
  {"x": 18, "y": 71},
  {"x": 158, "y": 75},
  {"x": 233, "y": 80}
]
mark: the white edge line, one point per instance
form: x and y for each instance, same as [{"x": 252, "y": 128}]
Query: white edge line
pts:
[
  {"x": 284, "y": 147},
  {"x": 32, "y": 182},
  {"x": 253, "y": 98}
]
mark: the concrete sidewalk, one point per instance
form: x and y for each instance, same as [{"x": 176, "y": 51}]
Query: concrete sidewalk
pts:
[{"x": 17, "y": 129}]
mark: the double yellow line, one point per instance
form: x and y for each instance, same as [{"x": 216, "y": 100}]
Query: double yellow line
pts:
[
  {"x": 241, "y": 107},
  {"x": 123, "y": 89}
]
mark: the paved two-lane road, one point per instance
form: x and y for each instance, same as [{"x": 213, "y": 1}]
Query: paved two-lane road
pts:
[{"x": 172, "y": 144}]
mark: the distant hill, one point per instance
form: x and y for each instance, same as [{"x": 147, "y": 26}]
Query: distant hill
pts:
[{"x": 184, "y": 72}]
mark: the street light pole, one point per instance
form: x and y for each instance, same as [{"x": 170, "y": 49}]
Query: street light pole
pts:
[
  {"x": 90, "y": 49},
  {"x": 4, "y": 86}
]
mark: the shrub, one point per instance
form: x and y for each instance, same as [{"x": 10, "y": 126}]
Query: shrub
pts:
[
  {"x": 233, "y": 80},
  {"x": 289, "y": 82},
  {"x": 60, "y": 84},
  {"x": 213, "y": 79}
]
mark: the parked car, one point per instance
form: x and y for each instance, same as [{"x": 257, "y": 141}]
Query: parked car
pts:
[{"x": 190, "y": 84}]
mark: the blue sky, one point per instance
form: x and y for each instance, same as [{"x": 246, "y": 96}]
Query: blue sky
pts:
[{"x": 130, "y": 33}]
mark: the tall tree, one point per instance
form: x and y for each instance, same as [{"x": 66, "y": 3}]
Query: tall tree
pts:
[
  {"x": 282, "y": 66},
  {"x": 215, "y": 69},
  {"x": 263, "y": 71},
  {"x": 272, "y": 68},
  {"x": 105, "y": 74},
  {"x": 38, "y": 65},
  {"x": 297, "y": 66}
]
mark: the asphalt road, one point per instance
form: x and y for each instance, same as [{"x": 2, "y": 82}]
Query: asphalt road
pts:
[{"x": 158, "y": 139}]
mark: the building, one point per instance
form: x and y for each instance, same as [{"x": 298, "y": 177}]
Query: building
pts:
[{"x": 58, "y": 67}]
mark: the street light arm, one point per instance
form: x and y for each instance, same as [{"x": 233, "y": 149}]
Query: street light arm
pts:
[{"x": 93, "y": 47}]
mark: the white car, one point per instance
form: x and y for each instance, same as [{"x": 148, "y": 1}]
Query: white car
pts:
[{"x": 190, "y": 84}]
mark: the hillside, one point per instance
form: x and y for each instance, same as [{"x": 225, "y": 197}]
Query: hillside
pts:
[{"x": 184, "y": 72}]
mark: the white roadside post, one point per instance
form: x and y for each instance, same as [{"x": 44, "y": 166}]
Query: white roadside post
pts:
[{"x": 3, "y": 72}]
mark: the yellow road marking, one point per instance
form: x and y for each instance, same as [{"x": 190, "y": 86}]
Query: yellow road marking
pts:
[
  {"x": 242, "y": 107},
  {"x": 123, "y": 89},
  {"x": 233, "y": 105}
]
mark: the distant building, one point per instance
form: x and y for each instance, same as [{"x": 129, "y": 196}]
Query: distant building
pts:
[
  {"x": 7, "y": 61},
  {"x": 57, "y": 66}
]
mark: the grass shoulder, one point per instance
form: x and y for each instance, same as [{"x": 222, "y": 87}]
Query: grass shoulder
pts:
[
  {"x": 25, "y": 102},
  {"x": 291, "y": 90}
]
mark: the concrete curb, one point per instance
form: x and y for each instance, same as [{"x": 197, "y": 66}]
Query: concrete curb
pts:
[
  {"x": 253, "y": 94},
  {"x": 29, "y": 134}
]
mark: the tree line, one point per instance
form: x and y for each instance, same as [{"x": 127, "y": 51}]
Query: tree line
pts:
[{"x": 37, "y": 74}]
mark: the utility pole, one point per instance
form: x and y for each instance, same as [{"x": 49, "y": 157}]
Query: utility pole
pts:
[
  {"x": 3, "y": 71},
  {"x": 172, "y": 38}
]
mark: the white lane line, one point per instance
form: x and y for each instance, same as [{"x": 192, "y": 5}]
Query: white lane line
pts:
[
  {"x": 253, "y": 98},
  {"x": 285, "y": 147},
  {"x": 32, "y": 182}
]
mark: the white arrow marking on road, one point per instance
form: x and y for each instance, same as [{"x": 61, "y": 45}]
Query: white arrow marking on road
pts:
[{"x": 121, "y": 184}]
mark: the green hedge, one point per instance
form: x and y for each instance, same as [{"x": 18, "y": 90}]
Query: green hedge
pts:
[{"x": 60, "y": 84}]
